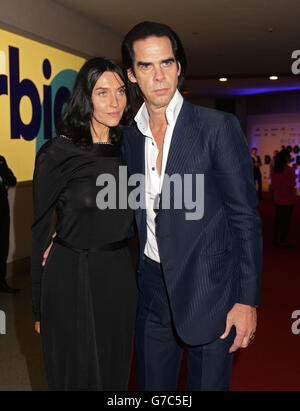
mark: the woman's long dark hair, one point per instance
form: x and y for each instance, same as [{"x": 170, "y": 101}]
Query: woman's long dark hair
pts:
[
  {"x": 281, "y": 160},
  {"x": 77, "y": 116}
]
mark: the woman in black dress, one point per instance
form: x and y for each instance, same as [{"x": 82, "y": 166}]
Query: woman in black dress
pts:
[{"x": 84, "y": 298}]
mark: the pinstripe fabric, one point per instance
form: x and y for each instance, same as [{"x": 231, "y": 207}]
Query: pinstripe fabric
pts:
[{"x": 212, "y": 263}]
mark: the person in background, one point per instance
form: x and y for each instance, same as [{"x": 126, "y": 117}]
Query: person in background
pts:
[
  {"x": 256, "y": 170},
  {"x": 7, "y": 179},
  {"x": 284, "y": 197},
  {"x": 272, "y": 163}
]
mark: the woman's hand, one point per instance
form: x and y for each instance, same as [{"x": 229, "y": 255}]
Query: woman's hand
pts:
[
  {"x": 37, "y": 327},
  {"x": 46, "y": 253}
]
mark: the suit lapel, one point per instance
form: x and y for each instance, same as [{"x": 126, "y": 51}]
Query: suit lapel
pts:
[
  {"x": 185, "y": 134},
  {"x": 138, "y": 151},
  {"x": 138, "y": 167}
]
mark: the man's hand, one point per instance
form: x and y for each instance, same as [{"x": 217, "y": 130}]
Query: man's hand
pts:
[
  {"x": 244, "y": 318},
  {"x": 46, "y": 253}
]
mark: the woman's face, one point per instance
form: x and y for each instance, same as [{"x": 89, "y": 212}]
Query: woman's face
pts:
[{"x": 109, "y": 99}]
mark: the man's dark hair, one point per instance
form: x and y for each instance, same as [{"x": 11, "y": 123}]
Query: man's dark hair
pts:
[
  {"x": 147, "y": 29},
  {"x": 78, "y": 114}
]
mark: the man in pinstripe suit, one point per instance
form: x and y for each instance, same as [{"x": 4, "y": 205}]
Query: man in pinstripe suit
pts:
[{"x": 199, "y": 279}]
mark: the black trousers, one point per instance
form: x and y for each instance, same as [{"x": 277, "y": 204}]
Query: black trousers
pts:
[
  {"x": 4, "y": 238},
  {"x": 282, "y": 222},
  {"x": 159, "y": 350}
]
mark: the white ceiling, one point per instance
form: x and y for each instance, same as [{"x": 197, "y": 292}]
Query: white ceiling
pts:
[{"x": 221, "y": 37}]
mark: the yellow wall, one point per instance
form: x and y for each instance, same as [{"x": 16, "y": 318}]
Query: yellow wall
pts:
[{"x": 20, "y": 153}]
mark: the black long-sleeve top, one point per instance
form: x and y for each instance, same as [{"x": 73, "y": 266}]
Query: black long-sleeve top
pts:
[{"x": 65, "y": 182}]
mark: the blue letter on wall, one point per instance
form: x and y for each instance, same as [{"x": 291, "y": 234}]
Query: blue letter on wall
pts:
[{"x": 17, "y": 90}]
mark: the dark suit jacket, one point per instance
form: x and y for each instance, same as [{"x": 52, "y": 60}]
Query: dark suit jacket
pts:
[{"x": 212, "y": 263}]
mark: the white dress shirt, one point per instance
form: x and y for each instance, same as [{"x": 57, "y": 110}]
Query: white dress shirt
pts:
[{"x": 152, "y": 179}]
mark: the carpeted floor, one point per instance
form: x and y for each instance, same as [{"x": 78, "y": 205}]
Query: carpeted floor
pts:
[{"x": 271, "y": 362}]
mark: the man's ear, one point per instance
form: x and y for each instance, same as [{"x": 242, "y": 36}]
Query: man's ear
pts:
[
  {"x": 131, "y": 76},
  {"x": 179, "y": 68}
]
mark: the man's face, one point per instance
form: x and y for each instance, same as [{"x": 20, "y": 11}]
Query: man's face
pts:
[{"x": 156, "y": 70}]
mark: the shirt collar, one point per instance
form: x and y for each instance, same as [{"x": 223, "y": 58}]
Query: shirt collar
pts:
[{"x": 172, "y": 111}]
